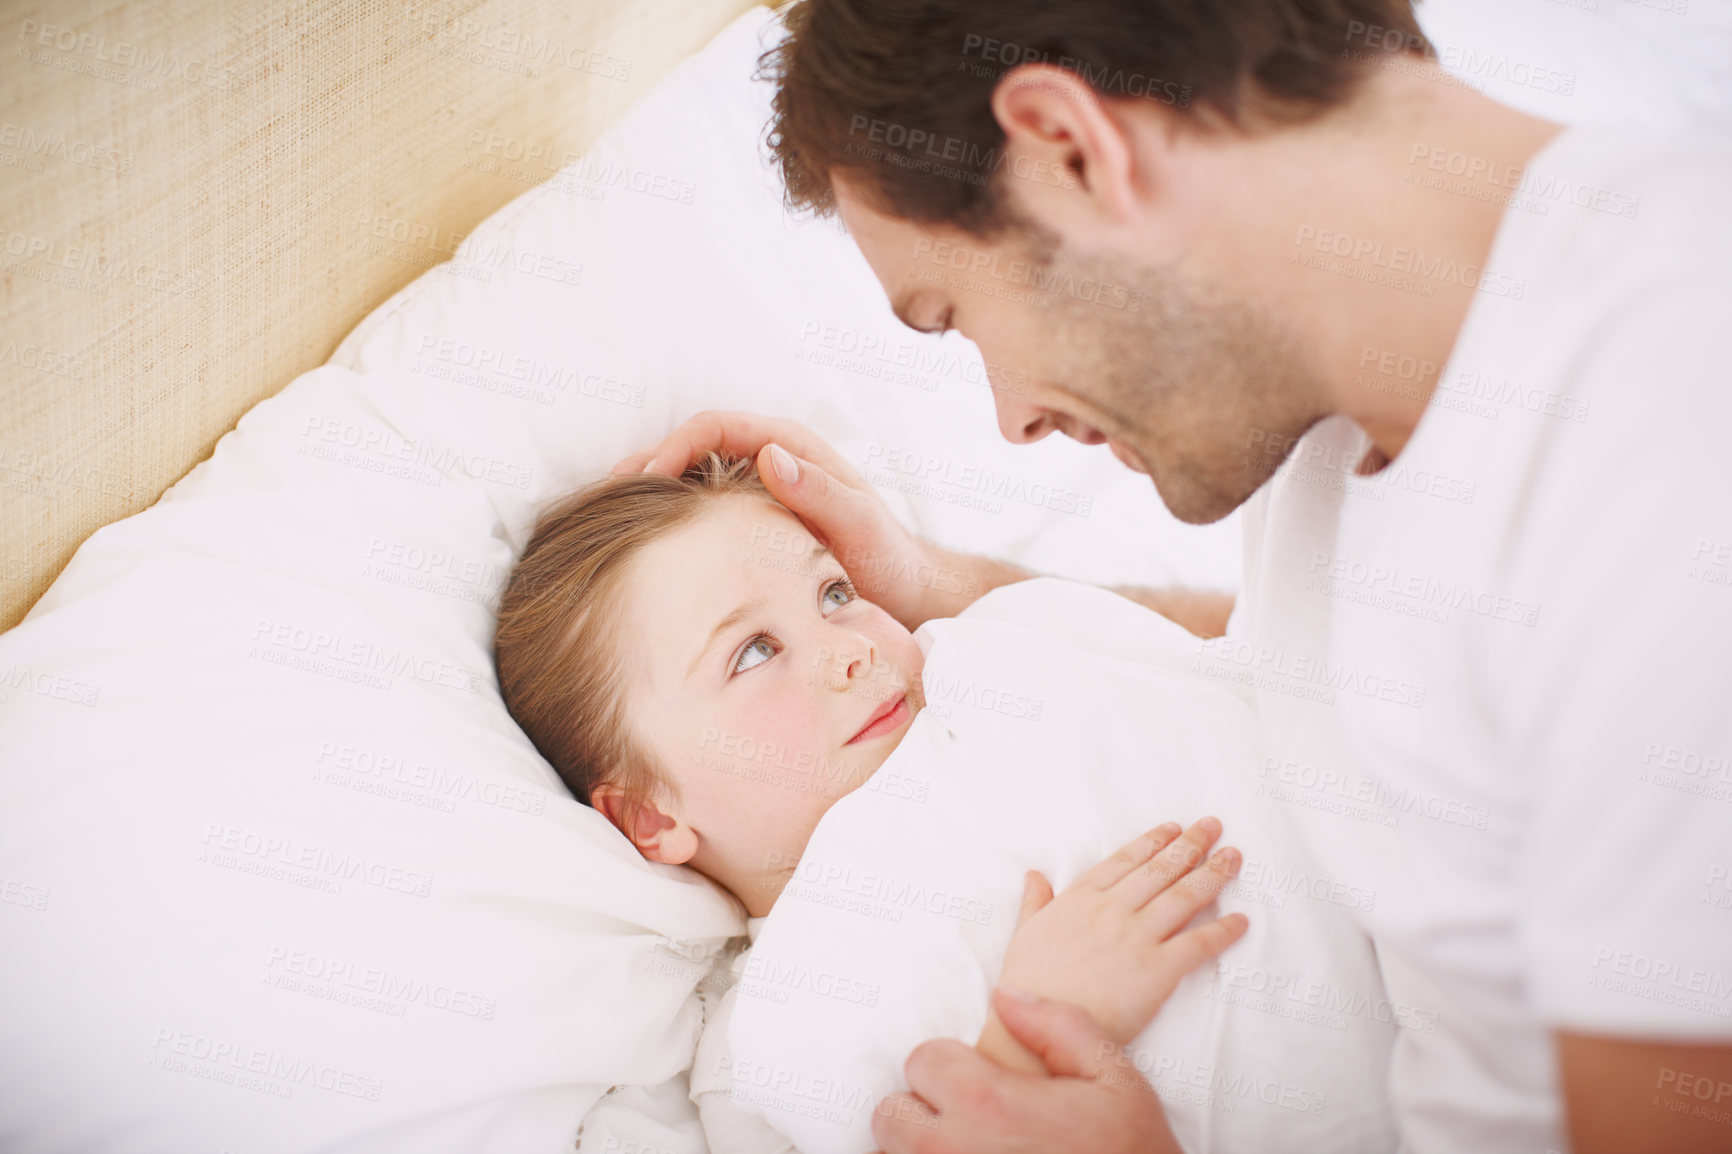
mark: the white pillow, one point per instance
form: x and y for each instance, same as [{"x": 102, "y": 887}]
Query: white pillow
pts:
[
  {"x": 716, "y": 298},
  {"x": 279, "y": 871}
]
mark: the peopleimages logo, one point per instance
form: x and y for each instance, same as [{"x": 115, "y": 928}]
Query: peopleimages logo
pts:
[
  {"x": 1269, "y": 989},
  {"x": 222, "y": 845},
  {"x": 1399, "y": 262},
  {"x": 97, "y": 51},
  {"x": 1225, "y": 656},
  {"x": 1099, "y": 77},
  {"x": 388, "y": 444},
  {"x": 1373, "y": 796},
  {"x": 1042, "y": 279},
  {"x": 38, "y": 143},
  {"x": 1662, "y": 979},
  {"x": 229, "y": 1062},
  {"x": 103, "y": 269},
  {"x": 361, "y": 655},
  {"x": 342, "y": 975},
  {"x": 930, "y": 474},
  {"x": 1333, "y": 574},
  {"x": 820, "y": 882}
]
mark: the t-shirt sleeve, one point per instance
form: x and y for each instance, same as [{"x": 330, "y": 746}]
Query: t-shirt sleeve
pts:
[{"x": 1617, "y": 703}]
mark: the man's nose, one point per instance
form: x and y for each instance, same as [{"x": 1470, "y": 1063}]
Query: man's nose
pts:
[{"x": 1020, "y": 422}]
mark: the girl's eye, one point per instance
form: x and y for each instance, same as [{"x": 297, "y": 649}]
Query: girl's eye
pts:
[
  {"x": 842, "y": 586},
  {"x": 762, "y": 647},
  {"x": 765, "y": 645}
]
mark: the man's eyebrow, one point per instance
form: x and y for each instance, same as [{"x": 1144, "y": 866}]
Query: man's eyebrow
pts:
[{"x": 743, "y": 612}]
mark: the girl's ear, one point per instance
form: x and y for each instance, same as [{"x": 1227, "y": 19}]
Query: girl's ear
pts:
[{"x": 660, "y": 837}]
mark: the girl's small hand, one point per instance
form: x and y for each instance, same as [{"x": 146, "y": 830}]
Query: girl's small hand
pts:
[{"x": 1112, "y": 942}]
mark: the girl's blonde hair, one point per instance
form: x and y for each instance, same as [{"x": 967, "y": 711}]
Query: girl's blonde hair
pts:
[{"x": 557, "y": 645}]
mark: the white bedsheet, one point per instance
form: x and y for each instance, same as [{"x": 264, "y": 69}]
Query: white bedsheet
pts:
[{"x": 1061, "y": 722}]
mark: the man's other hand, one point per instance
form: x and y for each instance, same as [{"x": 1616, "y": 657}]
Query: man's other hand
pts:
[{"x": 1093, "y": 1100}]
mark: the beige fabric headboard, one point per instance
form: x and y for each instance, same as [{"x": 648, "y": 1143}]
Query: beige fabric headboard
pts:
[{"x": 199, "y": 198}]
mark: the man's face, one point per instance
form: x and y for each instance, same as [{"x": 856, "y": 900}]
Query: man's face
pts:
[{"x": 1183, "y": 381}]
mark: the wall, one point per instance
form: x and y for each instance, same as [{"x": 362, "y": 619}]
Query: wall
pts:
[{"x": 199, "y": 199}]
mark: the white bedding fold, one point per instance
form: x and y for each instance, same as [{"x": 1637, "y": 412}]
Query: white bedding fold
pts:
[{"x": 1061, "y": 722}]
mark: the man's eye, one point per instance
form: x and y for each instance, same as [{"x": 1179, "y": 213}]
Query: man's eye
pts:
[{"x": 761, "y": 647}]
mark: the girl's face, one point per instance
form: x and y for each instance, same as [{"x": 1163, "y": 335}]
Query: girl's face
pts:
[{"x": 760, "y": 685}]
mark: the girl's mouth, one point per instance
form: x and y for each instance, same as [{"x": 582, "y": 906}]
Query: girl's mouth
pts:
[{"x": 887, "y": 719}]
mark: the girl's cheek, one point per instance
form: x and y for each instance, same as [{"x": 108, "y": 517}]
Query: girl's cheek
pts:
[
  {"x": 781, "y": 713},
  {"x": 755, "y": 709}
]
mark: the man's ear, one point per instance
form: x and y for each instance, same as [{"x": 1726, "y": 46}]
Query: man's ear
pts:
[
  {"x": 1060, "y": 134},
  {"x": 660, "y": 837}
]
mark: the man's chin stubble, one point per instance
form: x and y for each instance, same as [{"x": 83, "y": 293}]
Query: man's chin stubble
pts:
[{"x": 1200, "y": 501}]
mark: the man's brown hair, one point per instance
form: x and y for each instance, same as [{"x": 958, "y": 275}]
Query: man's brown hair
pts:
[
  {"x": 557, "y": 645},
  {"x": 897, "y": 93}
]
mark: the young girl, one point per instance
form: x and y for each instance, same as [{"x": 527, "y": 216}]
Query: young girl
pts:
[{"x": 698, "y": 667}]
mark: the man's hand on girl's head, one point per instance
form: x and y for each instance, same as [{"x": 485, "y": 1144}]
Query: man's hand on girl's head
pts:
[{"x": 909, "y": 578}]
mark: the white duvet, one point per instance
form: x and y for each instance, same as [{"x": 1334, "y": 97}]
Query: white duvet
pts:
[{"x": 1061, "y": 722}]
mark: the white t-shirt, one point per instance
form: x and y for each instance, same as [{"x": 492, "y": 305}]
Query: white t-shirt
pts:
[{"x": 1495, "y": 678}]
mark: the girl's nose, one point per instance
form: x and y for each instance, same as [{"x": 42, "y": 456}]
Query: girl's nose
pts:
[{"x": 855, "y": 659}]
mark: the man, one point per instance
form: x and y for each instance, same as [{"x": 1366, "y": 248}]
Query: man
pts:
[{"x": 1456, "y": 363}]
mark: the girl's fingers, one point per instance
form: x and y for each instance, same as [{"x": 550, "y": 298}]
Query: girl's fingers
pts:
[
  {"x": 1103, "y": 875},
  {"x": 1036, "y": 892},
  {"x": 1182, "y": 953},
  {"x": 1168, "y": 911},
  {"x": 1181, "y": 855}
]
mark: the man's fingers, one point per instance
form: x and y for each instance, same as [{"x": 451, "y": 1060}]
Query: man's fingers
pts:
[
  {"x": 736, "y": 434},
  {"x": 783, "y": 475},
  {"x": 898, "y": 1119},
  {"x": 740, "y": 434},
  {"x": 1036, "y": 892},
  {"x": 853, "y": 524},
  {"x": 1066, "y": 1038},
  {"x": 831, "y": 510},
  {"x": 1103, "y": 874},
  {"x": 692, "y": 440},
  {"x": 1173, "y": 862},
  {"x": 633, "y": 464},
  {"x": 939, "y": 1070}
]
